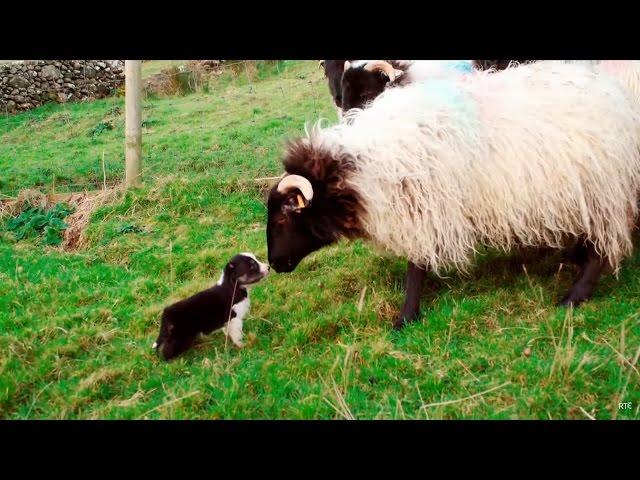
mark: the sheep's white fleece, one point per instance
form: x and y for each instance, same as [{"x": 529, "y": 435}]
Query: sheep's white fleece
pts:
[
  {"x": 627, "y": 72},
  {"x": 419, "y": 70},
  {"x": 532, "y": 155}
]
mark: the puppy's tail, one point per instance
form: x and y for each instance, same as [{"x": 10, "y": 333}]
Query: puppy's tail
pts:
[{"x": 162, "y": 334}]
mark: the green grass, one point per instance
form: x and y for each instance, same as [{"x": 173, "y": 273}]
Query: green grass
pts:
[{"x": 76, "y": 328}]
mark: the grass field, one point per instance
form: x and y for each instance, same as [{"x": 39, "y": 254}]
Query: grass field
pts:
[{"x": 76, "y": 327}]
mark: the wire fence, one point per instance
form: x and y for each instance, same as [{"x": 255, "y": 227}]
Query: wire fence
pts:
[{"x": 234, "y": 90}]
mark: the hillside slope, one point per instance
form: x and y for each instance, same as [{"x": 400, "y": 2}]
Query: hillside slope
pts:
[{"x": 77, "y": 327}]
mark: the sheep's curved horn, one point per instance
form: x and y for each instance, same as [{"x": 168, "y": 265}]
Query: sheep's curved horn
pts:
[
  {"x": 296, "y": 181},
  {"x": 385, "y": 67},
  {"x": 347, "y": 65},
  {"x": 321, "y": 64}
]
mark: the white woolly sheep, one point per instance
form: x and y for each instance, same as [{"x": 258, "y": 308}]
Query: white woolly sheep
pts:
[{"x": 537, "y": 155}]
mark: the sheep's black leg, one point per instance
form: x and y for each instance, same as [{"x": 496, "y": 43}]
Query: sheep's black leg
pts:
[
  {"x": 578, "y": 254},
  {"x": 590, "y": 271},
  {"x": 411, "y": 308}
]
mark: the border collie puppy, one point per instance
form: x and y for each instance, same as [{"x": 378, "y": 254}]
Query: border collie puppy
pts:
[{"x": 222, "y": 306}]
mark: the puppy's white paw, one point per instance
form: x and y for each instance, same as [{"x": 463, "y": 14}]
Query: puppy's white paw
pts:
[{"x": 239, "y": 344}]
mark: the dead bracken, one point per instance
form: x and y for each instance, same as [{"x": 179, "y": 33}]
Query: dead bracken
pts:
[{"x": 83, "y": 203}]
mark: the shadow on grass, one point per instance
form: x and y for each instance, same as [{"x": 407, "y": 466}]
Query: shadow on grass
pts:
[{"x": 492, "y": 271}]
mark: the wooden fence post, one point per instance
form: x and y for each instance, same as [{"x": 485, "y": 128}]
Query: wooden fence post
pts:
[{"x": 133, "y": 121}]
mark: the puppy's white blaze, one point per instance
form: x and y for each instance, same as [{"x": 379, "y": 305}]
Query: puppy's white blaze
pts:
[
  {"x": 250, "y": 255},
  {"x": 264, "y": 269}
]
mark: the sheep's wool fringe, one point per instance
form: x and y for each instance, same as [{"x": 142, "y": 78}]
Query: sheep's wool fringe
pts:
[
  {"x": 530, "y": 156},
  {"x": 627, "y": 72}
]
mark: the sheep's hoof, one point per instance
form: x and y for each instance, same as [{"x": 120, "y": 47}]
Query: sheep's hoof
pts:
[
  {"x": 405, "y": 318},
  {"x": 570, "y": 300},
  {"x": 565, "y": 302},
  {"x": 399, "y": 323}
]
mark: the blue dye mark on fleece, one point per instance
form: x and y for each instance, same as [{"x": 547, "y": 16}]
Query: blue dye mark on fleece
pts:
[
  {"x": 462, "y": 66},
  {"x": 446, "y": 95},
  {"x": 444, "y": 92}
]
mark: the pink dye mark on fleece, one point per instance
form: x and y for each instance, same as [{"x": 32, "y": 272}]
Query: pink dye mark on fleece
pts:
[
  {"x": 483, "y": 109},
  {"x": 613, "y": 67}
]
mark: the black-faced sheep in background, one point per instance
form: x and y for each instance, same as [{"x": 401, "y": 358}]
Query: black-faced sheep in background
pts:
[
  {"x": 354, "y": 83},
  {"x": 364, "y": 80},
  {"x": 333, "y": 72},
  {"x": 497, "y": 64}
]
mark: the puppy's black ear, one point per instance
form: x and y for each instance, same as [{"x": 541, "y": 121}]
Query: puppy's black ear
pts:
[{"x": 230, "y": 271}]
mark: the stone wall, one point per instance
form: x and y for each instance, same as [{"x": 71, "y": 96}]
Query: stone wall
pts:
[{"x": 33, "y": 82}]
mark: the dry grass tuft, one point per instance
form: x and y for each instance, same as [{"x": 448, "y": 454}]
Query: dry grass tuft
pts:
[
  {"x": 84, "y": 203},
  {"x": 99, "y": 377},
  {"x": 10, "y": 206},
  {"x": 179, "y": 80}
]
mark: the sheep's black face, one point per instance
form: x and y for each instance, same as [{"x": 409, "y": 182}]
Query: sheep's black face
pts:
[
  {"x": 360, "y": 86},
  {"x": 333, "y": 71},
  {"x": 311, "y": 206},
  {"x": 289, "y": 235}
]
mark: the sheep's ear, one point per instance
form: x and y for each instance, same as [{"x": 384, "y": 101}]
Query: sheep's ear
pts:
[
  {"x": 398, "y": 74},
  {"x": 295, "y": 203}
]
